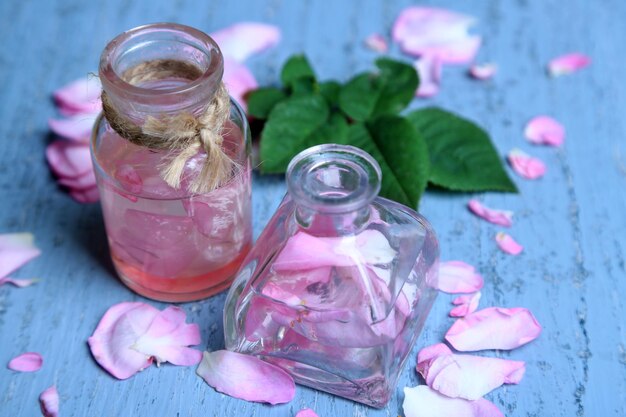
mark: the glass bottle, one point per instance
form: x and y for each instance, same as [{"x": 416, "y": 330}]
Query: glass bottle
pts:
[
  {"x": 170, "y": 243},
  {"x": 338, "y": 286}
]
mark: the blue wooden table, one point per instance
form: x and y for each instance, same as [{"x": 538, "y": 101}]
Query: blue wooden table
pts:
[{"x": 572, "y": 222}]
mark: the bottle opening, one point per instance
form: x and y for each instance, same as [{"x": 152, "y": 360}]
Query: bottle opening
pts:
[{"x": 333, "y": 178}]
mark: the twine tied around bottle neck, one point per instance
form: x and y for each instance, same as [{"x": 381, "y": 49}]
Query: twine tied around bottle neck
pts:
[{"x": 182, "y": 135}]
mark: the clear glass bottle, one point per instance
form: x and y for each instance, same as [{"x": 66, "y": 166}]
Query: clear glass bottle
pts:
[
  {"x": 338, "y": 286},
  {"x": 169, "y": 243}
]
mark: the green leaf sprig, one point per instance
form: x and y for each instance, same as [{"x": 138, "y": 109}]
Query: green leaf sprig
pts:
[{"x": 424, "y": 146}]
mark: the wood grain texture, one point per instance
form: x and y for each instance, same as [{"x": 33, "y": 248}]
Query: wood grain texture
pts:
[{"x": 572, "y": 222}]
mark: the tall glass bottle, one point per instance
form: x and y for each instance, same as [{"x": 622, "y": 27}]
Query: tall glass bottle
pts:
[
  {"x": 338, "y": 286},
  {"x": 167, "y": 242}
]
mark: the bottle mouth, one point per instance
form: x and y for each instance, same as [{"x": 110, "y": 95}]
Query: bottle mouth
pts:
[
  {"x": 161, "y": 42},
  {"x": 333, "y": 178}
]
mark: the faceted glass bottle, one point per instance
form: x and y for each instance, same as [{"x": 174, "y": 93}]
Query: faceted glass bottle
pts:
[
  {"x": 168, "y": 243},
  {"x": 338, "y": 286}
]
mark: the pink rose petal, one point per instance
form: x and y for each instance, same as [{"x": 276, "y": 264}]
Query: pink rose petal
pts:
[
  {"x": 69, "y": 159},
  {"x": 544, "y": 130},
  {"x": 244, "y": 39},
  {"x": 494, "y": 328},
  {"x": 458, "y": 277},
  {"x": 500, "y": 217},
  {"x": 86, "y": 196},
  {"x": 525, "y": 165},
  {"x": 377, "y": 43},
  {"x": 246, "y": 377},
  {"x": 26, "y": 362},
  {"x": 307, "y": 412},
  {"x": 238, "y": 79},
  {"x": 20, "y": 283},
  {"x": 429, "y": 70},
  {"x": 466, "y": 304},
  {"x": 421, "y": 401},
  {"x": 16, "y": 249},
  {"x": 168, "y": 336},
  {"x": 49, "y": 402},
  {"x": 79, "y": 96},
  {"x": 77, "y": 128},
  {"x": 82, "y": 182},
  {"x": 483, "y": 72},
  {"x": 567, "y": 64},
  {"x": 433, "y": 32},
  {"x": 466, "y": 376},
  {"x": 507, "y": 244}
]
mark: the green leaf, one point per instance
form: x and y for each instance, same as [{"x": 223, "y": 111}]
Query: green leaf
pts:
[
  {"x": 389, "y": 91},
  {"x": 462, "y": 156},
  {"x": 296, "y": 124},
  {"x": 263, "y": 100},
  {"x": 401, "y": 154},
  {"x": 295, "y": 68},
  {"x": 303, "y": 86},
  {"x": 330, "y": 91}
]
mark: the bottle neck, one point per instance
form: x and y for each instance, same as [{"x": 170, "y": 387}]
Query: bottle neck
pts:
[{"x": 160, "y": 69}]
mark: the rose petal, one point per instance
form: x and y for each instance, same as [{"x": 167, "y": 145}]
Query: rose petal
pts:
[
  {"x": 246, "y": 377},
  {"x": 77, "y": 128},
  {"x": 458, "y": 277},
  {"x": 238, "y": 80},
  {"x": 307, "y": 412},
  {"x": 83, "y": 182},
  {"x": 544, "y": 130},
  {"x": 494, "y": 328},
  {"x": 433, "y": 32},
  {"x": 49, "y": 402},
  {"x": 525, "y": 165},
  {"x": 429, "y": 70},
  {"x": 507, "y": 244},
  {"x": 119, "y": 329},
  {"x": 421, "y": 401},
  {"x": 466, "y": 376},
  {"x": 86, "y": 196},
  {"x": 466, "y": 304},
  {"x": 16, "y": 249},
  {"x": 168, "y": 336},
  {"x": 26, "y": 362},
  {"x": 566, "y": 64},
  {"x": 483, "y": 72},
  {"x": 241, "y": 40},
  {"x": 69, "y": 159},
  {"x": 79, "y": 96},
  {"x": 377, "y": 43},
  {"x": 21, "y": 283},
  {"x": 501, "y": 217}
]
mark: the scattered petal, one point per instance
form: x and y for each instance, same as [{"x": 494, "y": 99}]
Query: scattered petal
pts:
[
  {"x": 69, "y": 159},
  {"x": 466, "y": 304},
  {"x": 507, "y": 244},
  {"x": 429, "y": 70},
  {"x": 494, "y": 328},
  {"x": 20, "y": 283},
  {"x": 307, "y": 412},
  {"x": 79, "y": 97},
  {"x": 544, "y": 130},
  {"x": 567, "y": 64},
  {"x": 500, "y": 217},
  {"x": 77, "y": 128},
  {"x": 433, "y": 32},
  {"x": 377, "y": 43},
  {"x": 421, "y": 401},
  {"x": 242, "y": 40},
  {"x": 26, "y": 362},
  {"x": 49, "y": 402},
  {"x": 466, "y": 376},
  {"x": 526, "y": 165},
  {"x": 86, "y": 196},
  {"x": 82, "y": 182},
  {"x": 238, "y": 80},
  {"x": 483, "y": 72},
  {"x": 16, "y": 249},
  {"x": 246, "y": 377},
  {"x": 458, "y": 277}
]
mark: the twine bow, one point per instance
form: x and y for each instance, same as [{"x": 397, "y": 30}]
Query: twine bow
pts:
[{"x": 183, "y": 134}]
